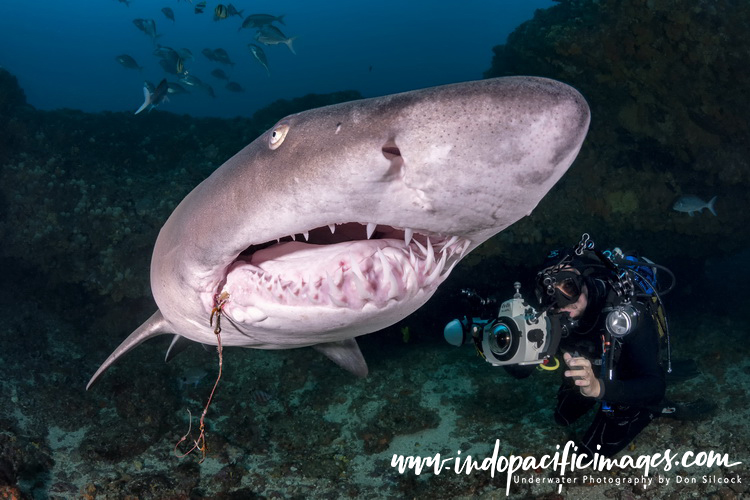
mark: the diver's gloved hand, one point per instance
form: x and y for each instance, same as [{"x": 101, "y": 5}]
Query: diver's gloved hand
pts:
[{"x": 582, "y": 375}]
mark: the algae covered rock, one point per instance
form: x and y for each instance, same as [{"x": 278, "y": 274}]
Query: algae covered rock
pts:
[
  {"x": 12, "y": 96},
  {"x": 666, "y": 81}
]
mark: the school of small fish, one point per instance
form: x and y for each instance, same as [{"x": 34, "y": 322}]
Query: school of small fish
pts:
[{"x": 175, "y": 62}]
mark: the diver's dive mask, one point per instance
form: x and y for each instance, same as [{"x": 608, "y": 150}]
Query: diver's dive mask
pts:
[{"x": 558, "y": 287}]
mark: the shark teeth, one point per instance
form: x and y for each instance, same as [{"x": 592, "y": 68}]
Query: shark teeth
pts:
[
  {"x": 369, "y": 273},
  {"x": 345, "y": 270},
  {"x": 436, "y": 270},
  {"x": 430, "y": 257},
  {"x": 368, "y": 229},
  {"x": 408, "y": 234},
  {"x": 393, "y": 288}
]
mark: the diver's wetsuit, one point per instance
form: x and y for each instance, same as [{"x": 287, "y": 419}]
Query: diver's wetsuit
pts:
[{"x": 639, "y": 381}]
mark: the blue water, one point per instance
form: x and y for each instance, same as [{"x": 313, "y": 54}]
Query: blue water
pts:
[{"x": 63, "y": 53}]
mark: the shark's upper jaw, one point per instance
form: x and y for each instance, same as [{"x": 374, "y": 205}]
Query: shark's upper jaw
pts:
[{"x": 355, "y": 266}]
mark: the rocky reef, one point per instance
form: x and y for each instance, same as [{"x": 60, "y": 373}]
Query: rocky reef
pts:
[{"x": 666, "y": 81}]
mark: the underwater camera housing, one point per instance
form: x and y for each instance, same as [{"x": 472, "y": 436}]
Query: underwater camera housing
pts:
[{"x": 517, "y": 336}]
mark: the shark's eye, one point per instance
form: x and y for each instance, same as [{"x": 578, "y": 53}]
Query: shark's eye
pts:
[{"x": 277, "y": 135}]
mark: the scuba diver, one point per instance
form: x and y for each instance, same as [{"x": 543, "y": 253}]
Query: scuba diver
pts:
[
  {"x": 603, "y": 311},
  {"x": 611, "y": 344}
]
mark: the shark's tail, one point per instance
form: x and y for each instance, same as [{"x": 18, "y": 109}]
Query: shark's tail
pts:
[
  {"x": 712, "y": 206},
  {"x": 146, "y": 100},
  {"x": 154, "y": 326}
]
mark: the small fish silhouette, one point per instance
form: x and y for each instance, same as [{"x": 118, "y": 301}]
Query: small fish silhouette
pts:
[
  {"x": 261, "y": 397},
  {"x": 191, "y": 376}
]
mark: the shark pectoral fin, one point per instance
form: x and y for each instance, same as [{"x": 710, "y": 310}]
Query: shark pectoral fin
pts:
[
  {"x": 346, "y": 354},
  {"x": 179, "y": 344},
  {"x": 154, "y": 326}
]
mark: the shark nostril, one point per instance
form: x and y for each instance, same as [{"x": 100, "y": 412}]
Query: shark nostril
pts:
[{"x": 391, "y": 151}]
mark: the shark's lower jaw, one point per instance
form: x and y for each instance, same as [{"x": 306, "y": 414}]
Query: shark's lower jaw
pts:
[{"x": 353, "y": 266}]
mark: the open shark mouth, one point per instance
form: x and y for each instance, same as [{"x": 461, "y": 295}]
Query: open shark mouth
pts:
[{"x": 349, "y": 265}]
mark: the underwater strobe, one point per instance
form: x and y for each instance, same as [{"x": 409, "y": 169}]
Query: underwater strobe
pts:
[{"x": 518, "y": 336}]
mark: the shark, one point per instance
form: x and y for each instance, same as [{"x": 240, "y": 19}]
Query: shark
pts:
[{"x": 342, "y": 220}]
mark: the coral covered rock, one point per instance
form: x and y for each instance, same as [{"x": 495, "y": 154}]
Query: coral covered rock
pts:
[
  {"x": 666, "y": 81},
  {"x": 12, "y": 96}
]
